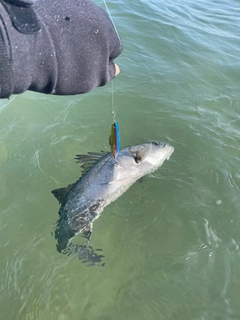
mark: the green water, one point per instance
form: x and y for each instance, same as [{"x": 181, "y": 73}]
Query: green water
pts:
[{"x": 171, "y": 243}]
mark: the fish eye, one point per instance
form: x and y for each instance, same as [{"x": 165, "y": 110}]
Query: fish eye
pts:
[{"x": 160, "y": 144}]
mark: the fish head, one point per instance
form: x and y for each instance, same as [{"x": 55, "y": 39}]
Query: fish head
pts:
[{"x": 149, "y": 156}]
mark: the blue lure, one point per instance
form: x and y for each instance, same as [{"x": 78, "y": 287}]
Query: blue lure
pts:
[{"x": 114, "y": 139}]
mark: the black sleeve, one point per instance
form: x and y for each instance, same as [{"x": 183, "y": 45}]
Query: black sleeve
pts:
[{"x": 72, "y": 53}]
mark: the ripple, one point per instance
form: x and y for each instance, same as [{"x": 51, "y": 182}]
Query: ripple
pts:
[{"x": 171, "y": 243}]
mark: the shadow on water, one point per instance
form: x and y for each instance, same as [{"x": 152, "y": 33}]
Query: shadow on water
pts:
[{"x": 84, "y": 252}]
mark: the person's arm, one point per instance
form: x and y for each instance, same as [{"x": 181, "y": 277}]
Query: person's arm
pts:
[{"x": 58, "y": 47}]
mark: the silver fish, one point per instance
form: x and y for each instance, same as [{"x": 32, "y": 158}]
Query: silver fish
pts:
[{"x": 103, "y": 180}]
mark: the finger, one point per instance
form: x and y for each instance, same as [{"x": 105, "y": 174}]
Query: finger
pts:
[{"x": 117, "y": 69}]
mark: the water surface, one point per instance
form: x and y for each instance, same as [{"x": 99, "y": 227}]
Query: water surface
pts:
[{"x": 171, "y": 243}]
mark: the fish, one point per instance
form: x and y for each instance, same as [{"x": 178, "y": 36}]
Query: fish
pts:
[
  {"x": 103, "y": 180},
  {"x": 114, "y": 139}
]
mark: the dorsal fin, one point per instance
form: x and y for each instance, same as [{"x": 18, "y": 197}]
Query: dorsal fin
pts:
[
  {"x": 89, "y": 160},
  {"x": 61, "y": 193}
]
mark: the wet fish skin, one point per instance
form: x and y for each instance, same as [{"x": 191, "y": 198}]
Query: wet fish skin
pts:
[{"x": 107, "y": 179}]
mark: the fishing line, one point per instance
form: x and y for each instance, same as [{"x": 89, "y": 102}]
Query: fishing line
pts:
[
  {"x": 114, "y": 139},
  {"x": 111, "y": 18},
  {"x": 113, "y": 108}
]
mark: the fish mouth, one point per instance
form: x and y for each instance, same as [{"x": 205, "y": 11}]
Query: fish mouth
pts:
[{"x": 170, "y": 153}]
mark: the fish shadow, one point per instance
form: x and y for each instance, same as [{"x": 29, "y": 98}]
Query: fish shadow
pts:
[{"x": 84, "y": 252}]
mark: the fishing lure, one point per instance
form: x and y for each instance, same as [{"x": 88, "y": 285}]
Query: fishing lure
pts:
[{"x": 114, "y": 139}]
